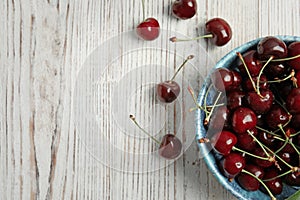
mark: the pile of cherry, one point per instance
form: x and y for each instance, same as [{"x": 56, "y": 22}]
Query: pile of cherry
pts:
[{"x": 256, "y": 128}]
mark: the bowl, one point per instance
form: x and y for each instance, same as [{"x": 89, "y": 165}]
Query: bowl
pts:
[{"x": 210, "y": 157}]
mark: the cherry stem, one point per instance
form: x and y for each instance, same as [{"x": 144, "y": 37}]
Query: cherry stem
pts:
[
  {"x": 259, "y": 143},
  {"x": 286, "y": 140},
  {"x": 175, "y": 39},
  {"x": 267, "y": 131},
  {"x": 143, "y": 5},
  {"x": 137, "y": 124},
  {"x": 279, "y": 176},
  {"x": 206, "y": 121},
  {"x": 286, "y": 78},
  {"x": 260, "y": 73},
  {"x": 182, "y": 65},
  {"x": 191, "y": 91},
  {"x": 250, "y": 154},
  {"x": 263, "y": 184},
  {"x": 295, "y": 134},
  {"x": 247, "y": 70},
  {"x": 205, "y": 98},
  {"x": 285, "y": 59}
]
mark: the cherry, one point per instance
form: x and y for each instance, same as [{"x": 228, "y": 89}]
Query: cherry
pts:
[
  {"x": 222, "y": 79},
  {"x": 297, "y": 76},
  {"x": 184, "y": 9},
  {"x": 248, "y": 182},
  {"x": 293, "y": 101},
  {"x": 276, "y": 116},
  {"x": 260, "y": 104},
  {"x": 253, "y": 64},
  {"x": 237, "y": 80},
  {"x": 149, "y": 28},
  {"x": 262, "y": 85},
  {"x": 267, "y": 139},
  {"x": 217, "y": 29},
  {"x": 246, "y": 142},
  {"x": 292, "y": 179},
  {"x": 170, "y": 146},
  {"x": 260, "y": 162},
  {"x": 169, "y": 90},
  {"x": 223, "y": 142},
  {"x": 220, "y": 118},
  {"x": 276, "y": 70},
  {"x": 220, "y": 30},
  {"x": 293, "y": 50},
  {"x": 274, "y": 184},
  {"x": 296, "y": 121},
  {"x": 284, "y": 88},
  {"x": 235, "y": 99},
  {"x": 232, "y": 164},
  {"x": 243, "y": 119},
  {"x": 271, "y": 46}
]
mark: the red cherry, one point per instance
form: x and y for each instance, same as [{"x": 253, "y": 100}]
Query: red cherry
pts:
[
  {"x": 235, "y": 99},
  {"x": 167, "y": 91},
  {"x": 293, "y": 101},
  {"x": 253, "y": 64},
  {"x": 260, "y": 162},
  {"x": 222, "y": 79},
  {"x": 246, "y": 142},
  {"x": 276, "y": 116},
  {"x": 170, "y": 147},
  {"x": 275, "y": 70},
  {"x": 248, "y": 182},
  {"x": 267, "y": 139},
  {"x": 275, "y": 184},
  {"x": 184, "y": 9},
  {"x": 232, "y": 164},
  {"x": 296, "y": 121},
  {"x": 294, "y": 50},
  {"x": 223, "y": 142},
  {"x": 220, "y": 30},
  {"x": 237, "y": 80},
  {"x": 297, "y": 76},
  {"x": 292, "y": 179},
  {"x": 243, "y": 119},
  {"x": 258, "y": 104},
  {"x": 149, "y": 29},
  {"x": 271, "y": 46},
  {"x": 263, "y": 83}
]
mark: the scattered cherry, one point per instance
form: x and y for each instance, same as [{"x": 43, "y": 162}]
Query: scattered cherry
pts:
[
  {"x": 170, "y": 146},
  {"x": 184, "y": 9},
  {"x": 169, "y": 90}
]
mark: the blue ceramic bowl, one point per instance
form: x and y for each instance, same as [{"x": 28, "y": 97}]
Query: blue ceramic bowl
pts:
[{"x": 210, "y": 157}]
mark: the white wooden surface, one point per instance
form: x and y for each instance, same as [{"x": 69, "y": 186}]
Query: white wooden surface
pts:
[{"x": 43, "y": 45}]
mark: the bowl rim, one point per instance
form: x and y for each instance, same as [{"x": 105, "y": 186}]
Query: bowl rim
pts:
[{"x": 201, "y": 131}]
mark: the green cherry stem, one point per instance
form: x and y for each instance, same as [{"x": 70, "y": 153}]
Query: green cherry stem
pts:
[
  {"x": 191, "y": 91},
  {"x": 262, "y": 183},
  {"x": 285, "y": 59},
  {"x": 137, "y": 124},
  {"x": 267, "y": 131},
  {"x": 249, "y": 154},
  {"x": 284, "y": 79},
  {"x": 259, "y": 143},
  {"x": 182, "y": 65},
  {"x": 206, "y": 120},
  {"x": 143, "y": 5},
  {"x": 260, "y": 73},
  {"x": 280, "y": 175},
  {"x": 175, "y": 39},
  {"x": 247, "y": 70}
]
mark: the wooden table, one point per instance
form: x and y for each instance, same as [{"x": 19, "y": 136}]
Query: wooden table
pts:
[{"x": 44, "y": 154}]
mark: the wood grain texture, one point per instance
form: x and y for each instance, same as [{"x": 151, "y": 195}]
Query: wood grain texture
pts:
[{"x": 44, "y": 44}]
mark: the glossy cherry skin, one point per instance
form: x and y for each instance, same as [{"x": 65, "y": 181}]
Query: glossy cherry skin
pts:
[
  {"x": 297, "y": 76},
  {"x": 277, "y": 115},
  {"x": 184, "y": 9},
  {"x": 271, "y": 46},
  {"x": 148, "y": 29},
  {"x": 248, "y": 182},
  {"x": 253, "y": 64},
  {"x": 170, "y": 147},
  {"x": 292, "y": 179},
  {"x": 263, "y": 83},
  {"x": 293, "y": 101},
  {"x": 232, "y": 164},
  {"x": 267, "y": 139},
  {"x": 274, "y": 185},
  {"x": 167, "y": 91},
  {"x": 223, "y": 142},
  {"x": 294, "y": 50},
  {"x": 222, "y": 79},
  {"x": 296, "y": 121},
  {"x": 246, "y": 141},
  {"x": 220, "y": 118},
  {"x": 275, "y": 70},
  {"x": 258, "y": 104},
  {"x": 243, "y": 119},
  {"x": 220, "y": 30},
  {"x": 260, "y": 162},
  {"x": 235, "y": 99},
  {"x": 237, "y": 80}
]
